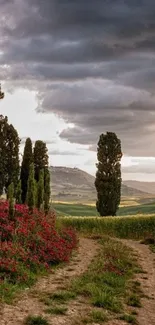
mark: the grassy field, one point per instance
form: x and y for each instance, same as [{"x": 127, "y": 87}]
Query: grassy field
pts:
[
  {"x": 64, "y": 209},
  {"x": 134, "y": 227}
]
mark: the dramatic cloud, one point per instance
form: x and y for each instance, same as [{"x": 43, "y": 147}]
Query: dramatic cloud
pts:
[
  {"x": 91, "y": 63},
  {"x": 143, "y": 167}
]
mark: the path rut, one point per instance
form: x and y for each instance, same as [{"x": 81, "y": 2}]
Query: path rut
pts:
[
  {"x": 29, "y": 302},
  {"x": 146, "y": 259}
]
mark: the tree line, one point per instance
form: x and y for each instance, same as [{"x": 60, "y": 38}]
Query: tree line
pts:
[{"x": 30, "y": 182}]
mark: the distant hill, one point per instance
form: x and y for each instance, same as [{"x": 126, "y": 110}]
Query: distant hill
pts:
[
  {"x": 148, "y": 187},
  {"x": 73, "y": 184}
]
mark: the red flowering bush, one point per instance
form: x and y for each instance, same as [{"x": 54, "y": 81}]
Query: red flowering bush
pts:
[{"x": 30, "y": 242}]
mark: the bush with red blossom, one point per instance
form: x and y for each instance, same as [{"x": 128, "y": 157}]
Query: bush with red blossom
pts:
[{"x": 30, "y": 242}]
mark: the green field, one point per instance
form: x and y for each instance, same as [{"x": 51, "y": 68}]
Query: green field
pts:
[
  {"x": 76, "y": 210},
  {"x": 133, "y": 221},
  {"x": 133, "y": 227},
  {"x": 69, "y": 209}
]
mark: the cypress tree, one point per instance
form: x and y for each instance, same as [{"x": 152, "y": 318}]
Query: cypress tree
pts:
[
  {"x": 35, "y": 193},
  {"x": 18, "y": 193},
  {"x": 40, "y": 196},
  {"x": 11, "y": 200},
  {"x": 26, "y": 162},
  {"x": 47, "y": 191},
  {"x": 30, "y": 198},
  {"x": 40, "y": 156},
  {"x": 9, "y": 154},
  {"x": 108, "y": 175}
]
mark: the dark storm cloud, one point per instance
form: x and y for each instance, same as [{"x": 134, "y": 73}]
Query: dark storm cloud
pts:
[{"x": 92, "y": 63}]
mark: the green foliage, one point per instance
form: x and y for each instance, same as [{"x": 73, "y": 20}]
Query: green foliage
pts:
[
  {"x": 47, "y": 190},
  {"x": 40, "y": 157},
  {"x": 26, "y": 162},
  {"x": 124, "y": 227},
  {"x": 108, "y": 175},
  {"x": 98, "y": 316},
  {"x": 134, "y": 301},
  {"x": 31, "y": 189},
  {"x": 9, "y": 154},
  {"x": 11, "y": 200},
  {"x": 61, "y": 296},
  {"x": 56, "y": 310},
  {"x": 40, "y": 190},
  {"x": 131, "y": 319},
  {"x": 19, "y": 193},
  {"x": 35, "y": 320},
  {"x": 35, "y": 193}
]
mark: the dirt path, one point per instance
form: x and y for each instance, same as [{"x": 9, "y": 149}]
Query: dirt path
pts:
[
  {"x": 30, "y": 304},
  {"x": 30, "y": 300},
  {"x": 146, "y": 259}
]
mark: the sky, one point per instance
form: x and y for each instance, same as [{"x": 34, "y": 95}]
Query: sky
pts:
[{"x": 73, "y": 69}]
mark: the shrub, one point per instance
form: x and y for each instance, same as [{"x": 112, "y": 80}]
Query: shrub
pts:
[{"x": 30, "y": 242}]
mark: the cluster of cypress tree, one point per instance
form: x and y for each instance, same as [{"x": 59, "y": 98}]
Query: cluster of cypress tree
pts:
[
  {"x": 29, "y": 183},
  {"x": 35, "y": 176}
]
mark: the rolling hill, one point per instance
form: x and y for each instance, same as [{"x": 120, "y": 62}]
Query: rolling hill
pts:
[
  {"x": 148, "y": 187},
  {"x": 73, "y": 184}
]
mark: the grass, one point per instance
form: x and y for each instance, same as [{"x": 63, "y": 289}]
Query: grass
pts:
[
  {"x": 106, "y": 284},
  {"x": 9, "y": 291},
  {"x": 95, "y": 316},
  {"x": 131, "y": 319},
  {"x": 56, "y": 310},
  {"x": 35, "y": 320},
  {"x": 134, "y": 300},
  {"x": 58, "y": 297},
  {"x": 137, "y": 227},
  {"x": 98, "y": 316}
]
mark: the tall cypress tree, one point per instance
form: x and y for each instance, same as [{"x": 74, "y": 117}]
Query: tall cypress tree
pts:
[
  {"x": 40, "y": 190},
  {"x": 18, "y": 193},
  {"x": 26, "y": 162},
  {"x": 9, "y": 154},
  {"x": 47, "y": 191},
  {"x": 108, "y": 175},
  {"x": 40, "y": 157},
  {"x": 30, "y": 197}
]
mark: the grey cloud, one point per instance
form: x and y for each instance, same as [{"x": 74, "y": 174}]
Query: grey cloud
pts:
[
  {"x": 23, "y": 139},
  {"x": 63, "y": 152},
  {"x": 141, "y": 167},
  {"x": 92, "y": 63}
]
